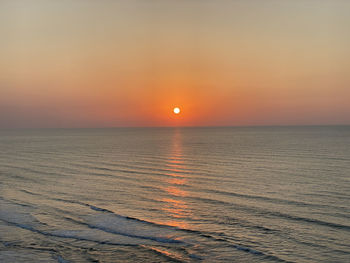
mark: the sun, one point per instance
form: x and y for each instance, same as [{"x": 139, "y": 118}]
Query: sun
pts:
[{"x": 176, "y": 110}]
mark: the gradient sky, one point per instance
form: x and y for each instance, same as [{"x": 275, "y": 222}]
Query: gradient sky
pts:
[{"x": 128, "y": 63}]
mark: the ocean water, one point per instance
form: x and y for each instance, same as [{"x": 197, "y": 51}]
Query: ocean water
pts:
[{"x": 268, "y": 194}]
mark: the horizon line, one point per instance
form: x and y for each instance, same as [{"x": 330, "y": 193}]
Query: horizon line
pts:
[{"x": 185, "y": 126}]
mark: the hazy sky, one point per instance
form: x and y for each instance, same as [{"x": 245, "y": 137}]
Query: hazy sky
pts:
[{"x": 128, "y": 63}]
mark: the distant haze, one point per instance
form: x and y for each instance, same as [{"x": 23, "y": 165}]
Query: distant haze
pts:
[{"x": 129, "y": 63}]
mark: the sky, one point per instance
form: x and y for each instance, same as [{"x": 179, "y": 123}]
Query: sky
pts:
[{"x": 105, "y": 63}]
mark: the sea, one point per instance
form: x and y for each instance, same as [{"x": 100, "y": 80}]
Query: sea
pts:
[{"x": 205, "y": 194}]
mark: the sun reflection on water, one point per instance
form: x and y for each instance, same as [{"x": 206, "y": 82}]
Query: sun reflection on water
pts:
[{"x": 175, "y": 204}]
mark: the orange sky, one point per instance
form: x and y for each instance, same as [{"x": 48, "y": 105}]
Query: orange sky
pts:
[{"x": 128, "y": 63}]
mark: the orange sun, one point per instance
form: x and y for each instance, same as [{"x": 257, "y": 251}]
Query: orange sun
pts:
[{"x": 176, "y": 110}]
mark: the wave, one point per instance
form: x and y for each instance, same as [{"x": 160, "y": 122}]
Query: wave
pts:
[
  {"x": 137, "y": 230},
  {"x": 202, "y": 234},
  {"x": 260, "y": 211},
  {"x": 64, "y": 234},
  {"x": 265, "y": 198},
  {"x": 90, "y": 237}
]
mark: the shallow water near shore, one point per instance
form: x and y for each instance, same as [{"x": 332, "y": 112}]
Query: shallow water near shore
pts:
[{"x": 254, "y": 194}]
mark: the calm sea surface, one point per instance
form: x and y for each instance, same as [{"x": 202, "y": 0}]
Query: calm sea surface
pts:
[{"x": 269, "y": 194}]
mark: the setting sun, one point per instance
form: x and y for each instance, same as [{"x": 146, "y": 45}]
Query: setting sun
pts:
[{"x": 176, "y": 110}]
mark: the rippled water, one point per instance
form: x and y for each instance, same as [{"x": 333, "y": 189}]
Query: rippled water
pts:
[{"x": 175, "y": 194}]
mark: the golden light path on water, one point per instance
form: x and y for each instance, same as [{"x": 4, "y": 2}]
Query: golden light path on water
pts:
[{"x": 174, "y": 203}]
